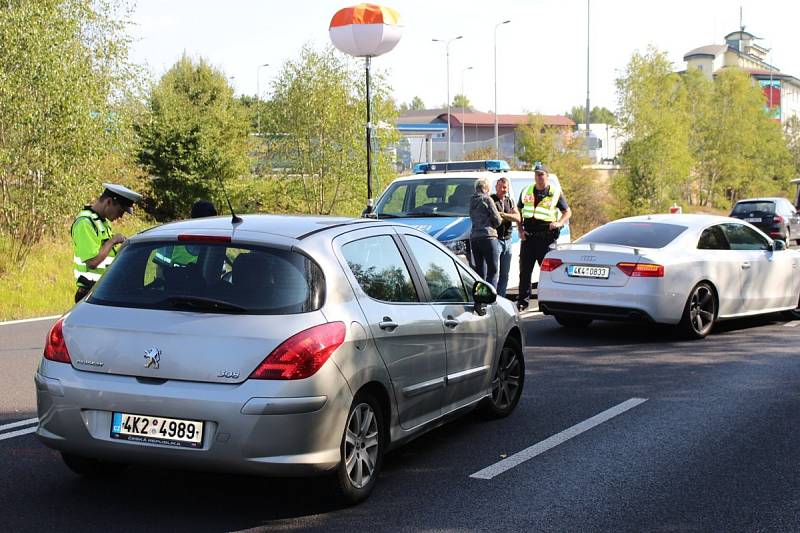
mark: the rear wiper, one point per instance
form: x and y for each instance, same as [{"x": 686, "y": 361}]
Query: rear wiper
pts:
[{"x": 200, "y": 303}]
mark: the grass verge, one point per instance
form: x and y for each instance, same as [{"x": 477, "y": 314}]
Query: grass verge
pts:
[{"x": 45, "y": 285}]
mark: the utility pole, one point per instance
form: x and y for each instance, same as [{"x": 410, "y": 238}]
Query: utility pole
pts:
[
  {"x": 447, "y": 54},
  {"x": 496, "y": 135},
  {"x": 587, "y": 69}
]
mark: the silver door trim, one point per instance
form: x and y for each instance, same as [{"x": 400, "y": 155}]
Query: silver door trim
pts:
[
  {"x": 425, "y": 386},
  {"x": 464, "y": 375}
]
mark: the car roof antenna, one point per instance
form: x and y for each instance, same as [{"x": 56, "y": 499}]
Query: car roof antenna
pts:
[{"x": 235, "y": 219}]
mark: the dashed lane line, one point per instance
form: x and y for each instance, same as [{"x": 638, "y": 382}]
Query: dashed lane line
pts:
[
  {"x": 791, "y": 324},
  {"x": 551, "y": 442}
]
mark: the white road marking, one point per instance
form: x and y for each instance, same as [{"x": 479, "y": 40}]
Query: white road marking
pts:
[
  {"x": 10, "y": 322},
  {"x": 791, "y": 324},
  {"x": 551, "y": 442},
  {"x": 19, "y": 433},
  {"x": 19, "y": 423}
]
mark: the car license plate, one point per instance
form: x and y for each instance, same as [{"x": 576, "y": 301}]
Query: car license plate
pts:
[
  {"x": 585, "y": 271},
  {"x": 157, "y": 430},
  {"x": 751, "y": 219}
]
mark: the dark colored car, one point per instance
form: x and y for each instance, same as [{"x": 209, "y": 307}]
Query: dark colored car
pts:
[{"x": 776, "y": 217}]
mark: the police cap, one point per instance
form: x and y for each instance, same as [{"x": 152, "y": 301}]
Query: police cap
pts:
[
  {"x": 122, "y": 195},
  {"x": 539, "y": 167}
]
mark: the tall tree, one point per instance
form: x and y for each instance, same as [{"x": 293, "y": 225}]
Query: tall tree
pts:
[
  {"x": 194, "y": 134},
  {"x": 656, "y": 157},
  {"x": 598, "y": 115},
  {"x": 64, "y": 79},
  {"x": 564, "y": 156},
  {"x": 461, "y": 101},
  {"x": 319, "y": 126},
  {"x": 416, "y": 104}
]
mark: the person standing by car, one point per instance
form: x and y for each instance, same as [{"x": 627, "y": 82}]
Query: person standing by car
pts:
[
  {"x": 483, "y": 238},
  {"x": 508, "y": 212},
  {"x": 93, "y": 242},
  {"x": 539, "y": 206}
]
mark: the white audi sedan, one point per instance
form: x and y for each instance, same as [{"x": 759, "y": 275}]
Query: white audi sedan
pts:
[{"x": 685, "y": 270}]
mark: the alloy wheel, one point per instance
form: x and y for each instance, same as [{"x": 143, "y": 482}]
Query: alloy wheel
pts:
[
  {"x": 702, "y": 309},
  {"x": 361, "y": 445},
  {"x": 507, "y": 379}
]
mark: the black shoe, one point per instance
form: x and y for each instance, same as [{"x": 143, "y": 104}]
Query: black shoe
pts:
[{"x": 522, "y": 305}]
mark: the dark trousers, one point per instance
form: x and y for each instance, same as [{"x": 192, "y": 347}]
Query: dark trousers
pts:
[
  {"x": 81, "y": 293},
  {"x": 486, "y": 256},
  {"x": 533, "y": 249}
]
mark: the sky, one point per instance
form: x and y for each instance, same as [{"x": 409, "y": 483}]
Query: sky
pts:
[{"x": 541, "y": 53}]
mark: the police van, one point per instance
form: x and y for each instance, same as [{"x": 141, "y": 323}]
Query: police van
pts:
[{"x": 435, "y": 199}]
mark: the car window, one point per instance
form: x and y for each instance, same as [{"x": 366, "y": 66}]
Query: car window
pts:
[
  {"x": 749, "y": 209},
  {"x": 640, "y": 234},
  {"x": 440, "y": 271},
  {"x": 713, "y": 238},
  {"x": 742, "y": 237},
  {"x": 212, "y": 278},
  {"x": 427, "y": 197},
  {"x": 468, "y": 280},
  {"x": 379, "y": 269}
]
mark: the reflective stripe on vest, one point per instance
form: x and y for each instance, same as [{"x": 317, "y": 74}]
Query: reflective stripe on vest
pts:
[
  {"x": 103, "y": 231},
  {"x": 547, "y": 210}
]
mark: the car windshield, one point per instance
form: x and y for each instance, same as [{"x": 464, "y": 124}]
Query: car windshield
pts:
[
  {"x": 446, "y": 197},
  {"x": 743, "y": 209},
  {"x": 211, "y": 278},
  {"x": 636, "y": 234}
]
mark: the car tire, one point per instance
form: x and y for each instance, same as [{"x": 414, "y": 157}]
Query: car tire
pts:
[
  {"x": 700, "y": 312},
  {"x": 91, "y": 468},
  {"x": 507, "y": 382},
  {"x": 794, "y": 314},
  {"x": 363, "y": 441},
  {"x": 572, "y": 321}
]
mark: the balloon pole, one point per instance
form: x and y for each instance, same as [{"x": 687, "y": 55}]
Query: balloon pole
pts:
[{"x": 369, "y": 143}]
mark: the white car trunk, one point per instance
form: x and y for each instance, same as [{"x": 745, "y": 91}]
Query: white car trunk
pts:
[{"x": 596, "y": 267}]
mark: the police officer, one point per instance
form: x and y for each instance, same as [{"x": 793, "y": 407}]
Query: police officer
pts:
[
  {"x": 539, "y": 206},
  {"x": 94, "y": 243}
]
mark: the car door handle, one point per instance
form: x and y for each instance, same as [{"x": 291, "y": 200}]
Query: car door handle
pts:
[
  {"x": 745, "y": 265},
  {"x": 451, "y": 322},
  {"x": 387, "y": 323}
]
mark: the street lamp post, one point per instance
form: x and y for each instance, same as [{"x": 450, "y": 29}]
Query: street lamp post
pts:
[
  {"x": 447, "y": 55},
  {"x": 463, "y": 99},
  {"x": 496, "y": 134},
  {"x": 587, "y": 72},
  {"x": 258, "y": 99}
]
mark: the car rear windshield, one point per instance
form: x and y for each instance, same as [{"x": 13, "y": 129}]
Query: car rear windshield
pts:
[
  {"x": 743, "y": 209},
  {"x": 636, "y": 234},
  {"x": 212, "y": 278},
  {"x": 446, "y": 197}
]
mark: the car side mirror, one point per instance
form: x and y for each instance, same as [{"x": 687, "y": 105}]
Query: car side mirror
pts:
[
  {"x": 778, "y": 245},
  {"x": 483, "y": 294}
]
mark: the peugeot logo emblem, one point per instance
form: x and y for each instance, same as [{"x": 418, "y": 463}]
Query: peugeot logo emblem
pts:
[
  {"x": 588, "y": 258},
  {"x": 153, "y": 356}
]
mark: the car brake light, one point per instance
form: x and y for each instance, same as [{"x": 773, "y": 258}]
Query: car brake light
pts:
[
  {"x": 777, "y": 218},
  {"x": 56, "y": 348},
  {"x": 549, "y": 264},
  {"x": 204, "y": 238},
  {"x": 301, "y": 355},
  {"x": 642, "y": 270}
]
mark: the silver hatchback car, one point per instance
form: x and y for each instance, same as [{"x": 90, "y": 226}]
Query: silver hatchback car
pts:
[{"x": 278, "y": 345}]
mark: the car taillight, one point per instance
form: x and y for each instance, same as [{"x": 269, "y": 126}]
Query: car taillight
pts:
[
  {"x": 549, "y": 264},
  {"x": 642, "y": 270},
  {"x": 777, "y": 218},
  {"x": 56, "y": 348},
  {"x": 301, "y": 355}
]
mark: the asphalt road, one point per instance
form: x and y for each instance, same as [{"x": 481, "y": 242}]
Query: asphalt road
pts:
[{"x": 713, "y": 448}]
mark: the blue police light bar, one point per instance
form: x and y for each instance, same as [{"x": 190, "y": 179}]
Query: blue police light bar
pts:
[{"x": 492, "y": 165}]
